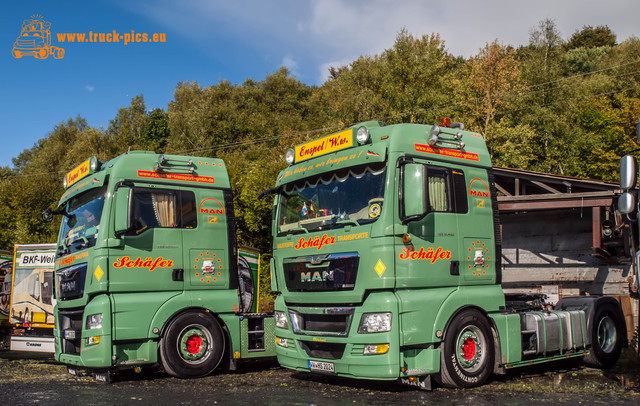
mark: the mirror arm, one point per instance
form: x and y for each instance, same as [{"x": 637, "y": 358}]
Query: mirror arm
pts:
[{"x": 268, "y": 192}]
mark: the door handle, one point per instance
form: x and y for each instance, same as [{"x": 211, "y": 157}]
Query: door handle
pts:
[
  {"x": 178, "y": 275},
  {"x": 454, "y": 268}
]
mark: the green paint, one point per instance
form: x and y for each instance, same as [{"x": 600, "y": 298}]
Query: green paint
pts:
[
  {"x": 159, "y": 243},
  {"x": 339, "y": 255}
]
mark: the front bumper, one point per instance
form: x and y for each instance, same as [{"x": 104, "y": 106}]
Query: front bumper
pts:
[{"x": 341, "y": 350}]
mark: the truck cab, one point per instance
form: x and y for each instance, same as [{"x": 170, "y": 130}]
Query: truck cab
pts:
[{"x": 147, "y": 267}]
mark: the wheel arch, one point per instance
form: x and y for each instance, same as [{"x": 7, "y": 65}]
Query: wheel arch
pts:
[
  {"x": 480, "y": 298},
  {"x": 452, "y": 372}
]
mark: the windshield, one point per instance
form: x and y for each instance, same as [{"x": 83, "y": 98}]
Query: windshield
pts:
[
  {"x": 350, "y": 196},
  {"x": 81, "y": 221}
]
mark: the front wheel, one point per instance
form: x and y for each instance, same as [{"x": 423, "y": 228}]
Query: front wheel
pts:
[
  {"x": 192, "y": 346},
  {"x": 607, "y": 333},
  {"x": 467, "y": 353}
]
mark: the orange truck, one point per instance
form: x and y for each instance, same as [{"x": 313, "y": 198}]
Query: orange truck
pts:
[{"x": 35, "y": 40}]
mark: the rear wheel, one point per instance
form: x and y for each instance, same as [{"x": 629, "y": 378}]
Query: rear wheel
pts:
[
  {"x": 58, "y": 53},
  {"x": 467, "y": 353},
  {"x": 192, "y": 346},
  {"x": 607, "y": 333}
]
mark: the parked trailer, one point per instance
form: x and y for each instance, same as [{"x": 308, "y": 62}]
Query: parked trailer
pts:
[
  {"x": 28, "y": 285},
  {"x": 6, "y": 271}
]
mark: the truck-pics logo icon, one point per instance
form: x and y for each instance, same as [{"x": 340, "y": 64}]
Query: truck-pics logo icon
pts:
[{"x": 35, "y": 40}]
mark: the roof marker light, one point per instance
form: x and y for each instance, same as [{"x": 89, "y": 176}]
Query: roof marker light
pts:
[
  {"x": 290, "y": 156},
  {"x": 94, "y": 164},
  {"x": 362, "y": 135}
]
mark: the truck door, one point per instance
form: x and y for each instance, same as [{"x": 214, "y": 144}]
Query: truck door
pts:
[
  {"x": 148, "y": 269},
  {"x": 478, "y": 231},
  {"x": 432, "y": 198},
  {"x": 210, "y": 250},
  {"x": 152, "y": 257}
]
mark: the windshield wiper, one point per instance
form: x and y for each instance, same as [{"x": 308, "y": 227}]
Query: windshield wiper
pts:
[
  {"x": 83, "y": 239},
  {"x": 343, "y": 223},
  {"x": 63, "y": 249},
  {"x": 297, "y": 230}
]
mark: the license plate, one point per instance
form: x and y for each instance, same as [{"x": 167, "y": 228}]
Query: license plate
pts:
[
  {"x": 321, "y": 366},
  {"x": 70, "y": 334}
]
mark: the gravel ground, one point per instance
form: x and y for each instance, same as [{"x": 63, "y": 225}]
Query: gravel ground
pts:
[{"x": 35, "y": 379}]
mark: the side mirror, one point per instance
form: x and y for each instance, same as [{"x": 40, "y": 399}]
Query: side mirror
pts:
[
  {"x": 122, "y": 210},
  {"x": 413, "y": 192},
  {"x": 47, "y": 215},
  {"x": 626, "y": 203},
  {"x": 628, "y": 172}
]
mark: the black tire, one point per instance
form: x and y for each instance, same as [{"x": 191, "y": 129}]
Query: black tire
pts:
[
  {"x": 192, "y": 346},
  {"x": 467, "y": 352},
  {"x": 607, "y": 334}
]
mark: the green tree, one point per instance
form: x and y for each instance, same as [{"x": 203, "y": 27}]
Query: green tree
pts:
[
  {"x": 156, "y": 131},
  {"x": 611, "y": 124},
  {"x": 493, "y": 78},
  {"x": 416, "y": 79},
  {"x": 589, "y": 37},
  {"x": 127, "y": 128}
]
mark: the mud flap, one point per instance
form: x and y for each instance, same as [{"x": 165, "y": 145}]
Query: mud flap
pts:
[
  {"x": 102, "y": 375},
  {"x": 419, "y": 382}
]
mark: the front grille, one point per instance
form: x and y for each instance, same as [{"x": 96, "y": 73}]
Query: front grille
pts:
[
  {"x": 326, "y": 272},
  {"x": 70, "y": 324},
  {"x": 323, "y": 350},
  {"x": 321, "y": 321},
  {"x": 70, "y": 282},
  {"x": 27, "y": 43}
]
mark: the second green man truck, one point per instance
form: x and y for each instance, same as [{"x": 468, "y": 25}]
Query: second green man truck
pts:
[
  {"x": 146, "y": 269},
  {"x": 387, "y": 260}
]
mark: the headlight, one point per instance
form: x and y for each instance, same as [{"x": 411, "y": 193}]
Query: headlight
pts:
[
  {"x": 281, "y": 319},
  {"x": 375, "y": 323},
  {"x": 376, "y": 349},
  {"x": 94, "y": 321}
]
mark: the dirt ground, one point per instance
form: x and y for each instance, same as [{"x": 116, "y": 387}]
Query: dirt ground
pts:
[{"x": 29, "y": 379}]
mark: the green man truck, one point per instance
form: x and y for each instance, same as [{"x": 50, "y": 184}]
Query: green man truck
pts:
[
  {"x": 146, "y": 269},
  {"x": 387, "y": 260}
]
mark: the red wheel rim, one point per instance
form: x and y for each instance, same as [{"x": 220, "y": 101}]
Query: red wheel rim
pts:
[
  {"x": 194, "y": 344},
  {"x": 469, "y": 348}
]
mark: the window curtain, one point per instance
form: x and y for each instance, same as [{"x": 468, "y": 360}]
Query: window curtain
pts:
[
  {"x": 164, "y": 207},
  {"x": 438, "y": 194}
]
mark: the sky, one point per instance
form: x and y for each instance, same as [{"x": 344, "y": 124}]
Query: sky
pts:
[{"x": 212, "y": 40}]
